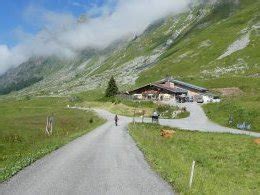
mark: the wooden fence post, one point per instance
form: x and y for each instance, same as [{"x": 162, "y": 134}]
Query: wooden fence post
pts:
[
  {"x": 134, "y": 117},
  {"x": 192, "y": 173},
  {"x": 143, "y": 113},
  {"x": 49, "y": 124}
]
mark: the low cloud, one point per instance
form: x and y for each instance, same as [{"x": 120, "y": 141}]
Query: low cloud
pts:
[{"x": 64, "y": 35}]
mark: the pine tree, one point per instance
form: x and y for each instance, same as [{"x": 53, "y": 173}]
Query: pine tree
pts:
[{"x": 112, "y": 88}]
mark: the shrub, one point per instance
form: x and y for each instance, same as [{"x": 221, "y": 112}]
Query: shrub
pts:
[{"x": 166, "y": 111}]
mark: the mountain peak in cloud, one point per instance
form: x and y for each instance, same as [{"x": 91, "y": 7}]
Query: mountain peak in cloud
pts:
[{"x": 64, "y": 35}]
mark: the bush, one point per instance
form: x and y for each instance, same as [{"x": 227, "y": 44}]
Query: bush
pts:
[{"x": 166, "y": 111}]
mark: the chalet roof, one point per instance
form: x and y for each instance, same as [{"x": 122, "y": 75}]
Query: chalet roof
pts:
[
  {"x": 175, "y": 81},
  {"x": 174, "y": 90},
  {"x": 160, "y": 85},
  {"x": 163, "y": 87}
]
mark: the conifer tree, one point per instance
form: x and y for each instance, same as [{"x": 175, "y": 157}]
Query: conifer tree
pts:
[{"x": 112, "y": 88}]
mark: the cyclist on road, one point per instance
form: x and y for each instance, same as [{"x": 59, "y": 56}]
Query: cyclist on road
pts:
[{"x": 116, "y": 120}]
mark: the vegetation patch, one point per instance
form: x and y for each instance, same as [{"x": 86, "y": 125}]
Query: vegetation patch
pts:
[
  {"x": 172, "y": 112},
  {"x": 233, "y": 111},
  {"x": 22, "y": 130},
  {"x": 225, "y": 163}
]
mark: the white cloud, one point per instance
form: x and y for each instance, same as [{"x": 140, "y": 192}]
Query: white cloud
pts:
[
  {"x": 9, "y": 58},
  {"x": 63, "y": 36},
  {"x": 5, "y": 56}
]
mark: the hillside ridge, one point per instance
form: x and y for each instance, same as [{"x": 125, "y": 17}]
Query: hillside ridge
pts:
[{"x": 187, "y": 46}]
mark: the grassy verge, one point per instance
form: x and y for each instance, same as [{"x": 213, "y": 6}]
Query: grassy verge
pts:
[
  {"x": 182, "y": 115},
  {"x": 225, "y": 164},
  {"x": 22, "y": 126},
  {"x": 243, "y": 109}
]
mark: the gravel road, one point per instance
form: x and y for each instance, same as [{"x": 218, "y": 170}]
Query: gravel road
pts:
[
  {"x": 104, "y": 161},
  {"x": 198, "y": 121}
]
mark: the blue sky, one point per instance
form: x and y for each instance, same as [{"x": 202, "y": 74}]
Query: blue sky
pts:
[{"x": 12, "y": 14}]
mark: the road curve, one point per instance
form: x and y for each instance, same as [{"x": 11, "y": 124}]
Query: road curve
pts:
[
  {"x": 200, "y": 122},
  {"x": 104, "y": 161}
]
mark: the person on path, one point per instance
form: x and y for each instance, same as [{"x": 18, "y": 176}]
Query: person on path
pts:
[
  {"x": 116, "y": 120},
  {"x": 155, "y": 117},
  {"x": 155, "y": 114}
]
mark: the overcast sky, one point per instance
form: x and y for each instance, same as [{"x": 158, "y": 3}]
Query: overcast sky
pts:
[{"x": 52, "y": 27}]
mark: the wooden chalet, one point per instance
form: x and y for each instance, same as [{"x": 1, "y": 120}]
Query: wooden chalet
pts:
[{"x": 167, "y": 89}]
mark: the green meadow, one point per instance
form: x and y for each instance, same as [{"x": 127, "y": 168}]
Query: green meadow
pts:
[
  {"x": 225, "y": 163},
  {"x": 22, "y": 130}
]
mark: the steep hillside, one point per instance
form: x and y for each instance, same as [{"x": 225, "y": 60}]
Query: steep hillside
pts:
[
  {"x": 29, "y": 73},
  {"x": 207, "y": 45},
  {"x": 220, "y": 52},
  {"x": 224, "y": 44}
]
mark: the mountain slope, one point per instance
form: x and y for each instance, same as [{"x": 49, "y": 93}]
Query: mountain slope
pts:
[
  {"x": 206, "y": 45},
  {"x": 221, "y": 45},
  {"x": 220, "y": 52}
]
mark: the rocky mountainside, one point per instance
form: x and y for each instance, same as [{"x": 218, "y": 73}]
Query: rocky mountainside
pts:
[{"x": 216, "y": 40}]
